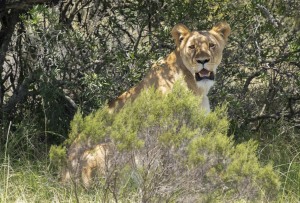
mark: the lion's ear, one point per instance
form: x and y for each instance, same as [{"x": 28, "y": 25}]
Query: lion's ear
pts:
[
  {"x": 179, "y": 32},
  {"x": 223, "y": 29}
]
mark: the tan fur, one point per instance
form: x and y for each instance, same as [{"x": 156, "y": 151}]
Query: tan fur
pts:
[
  {"x": 196, "y": 54},
  {"x": 86, "y": 161},
  {"x": 182, "y": 63}
]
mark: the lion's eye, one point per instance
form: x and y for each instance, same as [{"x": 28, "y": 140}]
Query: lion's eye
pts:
[
  {"x": 192, "y": 46},
  {"x": 212, "y": 45}
]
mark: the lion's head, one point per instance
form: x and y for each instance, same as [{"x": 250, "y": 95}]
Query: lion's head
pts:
[{"x": 201, "y": 51}]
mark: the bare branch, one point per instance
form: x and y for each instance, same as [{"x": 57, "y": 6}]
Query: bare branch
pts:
[
  {"x": 271, "y": 18},
  {"x": 249, "y": 79},
  {"x": 18, "y": 95}
]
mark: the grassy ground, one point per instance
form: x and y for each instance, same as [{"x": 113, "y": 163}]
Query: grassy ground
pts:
[
  {"x": 286, "y": 158},
  {"x": 24, "y": 181},
  {"x": 31, "y": 182}
]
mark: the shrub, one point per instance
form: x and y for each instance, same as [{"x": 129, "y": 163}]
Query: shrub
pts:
[{"x": 165, "y": 148}]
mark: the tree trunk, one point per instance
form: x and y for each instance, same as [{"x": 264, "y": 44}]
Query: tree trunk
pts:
[{"x": 10, "y": 11}]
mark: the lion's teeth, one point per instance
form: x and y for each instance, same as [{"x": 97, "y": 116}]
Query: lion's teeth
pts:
[{"x": 203, "y": 75}]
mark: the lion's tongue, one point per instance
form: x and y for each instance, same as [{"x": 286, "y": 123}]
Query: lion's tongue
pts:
[{"x": 204, "y": 73}]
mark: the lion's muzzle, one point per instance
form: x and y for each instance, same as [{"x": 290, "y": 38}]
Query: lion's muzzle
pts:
[{"x": 204, "y": 74}]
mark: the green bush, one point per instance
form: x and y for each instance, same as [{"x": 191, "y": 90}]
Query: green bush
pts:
[{"x": 167, "y": 149}]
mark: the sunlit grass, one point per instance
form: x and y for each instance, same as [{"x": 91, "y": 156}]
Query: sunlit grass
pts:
[
  {"x": 25, "y": 181},
  {"x": 283, "y": 150},
  {"x": 22, "y": 180}
]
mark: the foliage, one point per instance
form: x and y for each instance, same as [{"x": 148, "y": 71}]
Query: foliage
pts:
[
  {"x": 57, "y": 155},
  {"x": 94, "y": 124},
  {"x": 259, "y": 78},
  {"x": 286, "y": 159},
  {"x": 179, "y": 153},
  {"x": 60, "y": 56},
  {"x": 79, "y": 57}
]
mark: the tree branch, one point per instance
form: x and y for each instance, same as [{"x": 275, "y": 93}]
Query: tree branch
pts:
[
  {"x": 20, "y": 4},
  {"x": 249, "y": 79},
  {"x": 271, "y": 18},
  {"x": 7, "y": 29},
  {"x": 18, "y": 96}
]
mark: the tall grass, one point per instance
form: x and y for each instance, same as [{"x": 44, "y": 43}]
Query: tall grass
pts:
[
  {"x": 25, "y": 180},
  {"x": 33, "y": 182},
  {"x": 284, "y": 151}
]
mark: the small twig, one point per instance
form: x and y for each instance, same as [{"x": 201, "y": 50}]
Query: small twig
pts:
[
  {"x": 271, "y": 18},
  {"x": 75, "y": 190},
  {"x": 6, "y": 157},
  {"x": 6, "y": 143}
]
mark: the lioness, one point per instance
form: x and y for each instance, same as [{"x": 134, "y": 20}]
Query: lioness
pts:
[{"x": 195, "y": 59}]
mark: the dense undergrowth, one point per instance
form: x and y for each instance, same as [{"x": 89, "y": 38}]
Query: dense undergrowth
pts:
[
  {"x": 201, "y": 163},
  {"x": 61, "y": 56},
  {"x": 184, "y": 154}
]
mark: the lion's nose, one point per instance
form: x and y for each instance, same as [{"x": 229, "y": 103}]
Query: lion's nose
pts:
[{"x": 202, "y": 61}]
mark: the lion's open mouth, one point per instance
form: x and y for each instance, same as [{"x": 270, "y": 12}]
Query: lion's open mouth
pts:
[{"x": 204, "y": 74}]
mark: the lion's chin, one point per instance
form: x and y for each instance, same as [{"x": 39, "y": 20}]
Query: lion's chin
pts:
[{"x": 205, "y": 85}]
